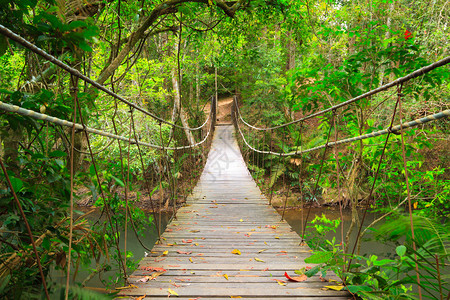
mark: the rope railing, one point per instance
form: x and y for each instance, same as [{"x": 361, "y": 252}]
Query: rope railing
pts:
[
  {"x": 27, "y": 44},
  {"x": 396, "y": 82},
  {"x": 395, "y": 129},
  {"x": 39, "y": 116}
]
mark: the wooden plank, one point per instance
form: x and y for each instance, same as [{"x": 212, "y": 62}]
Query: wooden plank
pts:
[{"x": 227, "y": 211}]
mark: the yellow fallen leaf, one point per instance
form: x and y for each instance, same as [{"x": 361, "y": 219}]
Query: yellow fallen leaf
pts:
[
  {"x": 265, "y": 243},
  {"x": 171, "y": 292},
  {"x": 257, "y": 259},
  {"x": 131, "y": 286},
  {"x": 277, "y": 237},
  {"x": 236, "y": 251},
  {"x": 196, "y": 244},
  {"x": 226, "y": 276},
  {"x": 241, "y": 220},
  {"x": 281, "y": 282},
  {"x": 262, "y": 250},
  {"x": 235, "y": 297},
  {"x": 142, "y": 297},
  {"x": 165, "y": 253},
  {"x": 190, "y": 259},
  {"x": 334, "y": 287}
]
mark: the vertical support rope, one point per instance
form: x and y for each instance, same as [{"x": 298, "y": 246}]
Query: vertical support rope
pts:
[
  {"x": 408, "y": 190},
  {"x": 27, "y": 225},
  {"x": 74, "y": 92},
  {"x": 399, "y": 89},
  {"x": 107, "y": 207},
  {"x": 287, "y": 189},
  {"x": 336, "y": 158},
  {"x": 149, "y": 189},
  {"x": 318, "y": 176}
]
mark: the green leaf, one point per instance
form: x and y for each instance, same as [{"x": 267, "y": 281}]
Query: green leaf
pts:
[
  {"x": 319, "y": 258},
  {"x": 383, "y": 262},
  {"x": 358, "y": 288},
  {"x": 401, "y": 250},
  {"x": 312, "y": 271},
  {"x": 4, "y": 282},
  {"x": 120, "y": 182},
  {"x": 16, "y": 183},
  {"x": 57, "y": 153}
]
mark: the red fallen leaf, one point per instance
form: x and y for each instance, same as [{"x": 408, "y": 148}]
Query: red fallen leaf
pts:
[
  {"x": 297, "y": 278},
  {"x": 159, "y": 260},
  {"x": 186, "y": 241},
  {"x": 281, "y": 254},
  {"x": 169, "y": 230},
  {"x": 283, "y": 251},
  {"x": 153, "y": 269},
  {"x": 266, "y": 269},
  {"x": 308, "y": 268},
  {"x": 184, "y": 252}
]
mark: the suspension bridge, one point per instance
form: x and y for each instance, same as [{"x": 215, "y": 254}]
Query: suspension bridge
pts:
[{"x": 227, "y": 241}]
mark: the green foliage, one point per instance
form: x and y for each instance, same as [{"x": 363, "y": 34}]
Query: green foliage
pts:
[
  {"x": 321, "y": 227},
  {"x": 392, "y": 277}
]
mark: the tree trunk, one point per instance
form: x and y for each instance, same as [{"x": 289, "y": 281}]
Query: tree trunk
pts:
[{"x": 178, "y": 109}]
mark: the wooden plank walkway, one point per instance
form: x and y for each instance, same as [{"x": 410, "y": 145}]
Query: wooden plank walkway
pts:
[{"x": 227, "y": 212}]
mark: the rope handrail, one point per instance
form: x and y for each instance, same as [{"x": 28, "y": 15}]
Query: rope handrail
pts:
[
  {"x": 400, "y": 80},
  {"x": 395, "y": 129},
  {"x": 38, "y": 116},
  {"x": 13, "y": 36}
]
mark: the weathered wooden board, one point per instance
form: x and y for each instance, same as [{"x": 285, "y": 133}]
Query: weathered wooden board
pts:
[{"x": 227, "y": 211}]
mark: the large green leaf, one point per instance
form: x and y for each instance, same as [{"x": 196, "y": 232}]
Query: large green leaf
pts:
[{"x": 319, "y": 258}]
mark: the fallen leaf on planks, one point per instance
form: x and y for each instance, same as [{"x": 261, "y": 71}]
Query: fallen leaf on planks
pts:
[
  {"x": 296, "y": 278},
  {"x": 153, "y": 269},
  {"x": 140, "y": 298},
  {"x": 280, "y": 282},
  {"x": 191, "y": 260},
  {"x": 131, "y": 286},
  {"x": 333, "y": 287},
  {"x": 184, "y": 252},
  {"x": 151, "y": 277},
  {"x": 172, "y": 292},
  {"x": 226, "y": 276},
  {"x": 236, "y": 251},
  {"x": 260, "y": 251},
  {"x": 186, "y": 241},
  {"x": 260, "y": 260}
]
